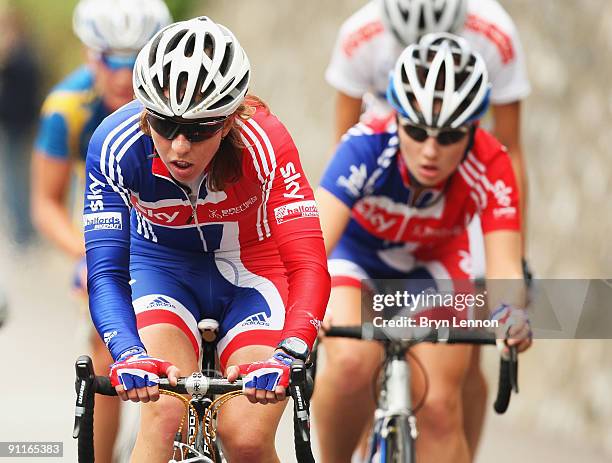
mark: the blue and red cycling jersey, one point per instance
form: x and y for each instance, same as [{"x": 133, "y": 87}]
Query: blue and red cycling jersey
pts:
[
  {"x": 251, "y": 255},
  {"x": 391, "y": 233}
]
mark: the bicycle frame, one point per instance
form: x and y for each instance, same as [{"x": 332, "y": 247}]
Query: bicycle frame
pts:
[
  {"x": 198, "y": 426},
  {"x": 394, "y": 431}
]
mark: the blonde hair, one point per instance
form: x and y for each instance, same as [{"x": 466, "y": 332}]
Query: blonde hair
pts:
[{"x": 226, "y": 165}]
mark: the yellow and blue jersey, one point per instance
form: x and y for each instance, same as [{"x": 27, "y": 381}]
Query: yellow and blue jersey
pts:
[{"x": 69, "y": 116}]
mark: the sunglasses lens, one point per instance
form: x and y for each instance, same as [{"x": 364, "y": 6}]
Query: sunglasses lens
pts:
[
  {"x": 165, "y": 127},
  {"x": 444, "y": 137},
  {"x": 116, "y": 62},
  {"x": 449, "y": 137},
  {"x": 195, "y": 132},
  {"x": 416, "y": 133}
]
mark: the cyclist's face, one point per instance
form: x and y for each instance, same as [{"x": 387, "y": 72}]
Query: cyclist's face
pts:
[
  {"x": 114, "y": 82},
  {"x": 187, "y": 160},
  {"x": 430, "y": 162}
]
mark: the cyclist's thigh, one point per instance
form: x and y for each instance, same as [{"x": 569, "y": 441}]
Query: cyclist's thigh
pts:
[
  {"x": 255, "y": 315},
  {"x": 252, "y": 421},
  {"x": 166, "y": 316},
  {"x": 446, "y": 368},
  {"x": 344, "y": 309}
]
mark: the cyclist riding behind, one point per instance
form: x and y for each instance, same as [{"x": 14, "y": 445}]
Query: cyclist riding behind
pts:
[
  {"x": 196, "y": 194},
  {"x": 366, "y": 49},
  {"x": 394, "y": 203},
  {"x": 371, "y": 40},
  {"x": 112, "y": 31}
]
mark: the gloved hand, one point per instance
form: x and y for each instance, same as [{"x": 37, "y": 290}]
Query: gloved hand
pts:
[
  {"x": 514, "y": 328},
  {"x": 135, "y": 375},
  {"x": 266, "y": 381}
]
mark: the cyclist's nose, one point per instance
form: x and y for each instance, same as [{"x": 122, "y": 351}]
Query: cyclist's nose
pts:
[
  {"x": 180, "y": 144},
  {"x": 429, "y": 148}
]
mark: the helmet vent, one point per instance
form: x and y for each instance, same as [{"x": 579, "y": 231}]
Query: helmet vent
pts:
[
  {"x": 228, "y": 57},
  {"x": 190, "y": 45},
  {"x": 209, "y": 45}
]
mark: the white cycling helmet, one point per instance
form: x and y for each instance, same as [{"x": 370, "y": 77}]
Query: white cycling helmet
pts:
[
  {"x": 192, "y": 69},
  {"x": 119, "y": 26},
  {"x": 409, "y": 20},
  {"x": 440, "y": 82}
]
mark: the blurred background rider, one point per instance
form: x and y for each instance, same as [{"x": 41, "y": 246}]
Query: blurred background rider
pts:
[{"x": 112, "y": 31}]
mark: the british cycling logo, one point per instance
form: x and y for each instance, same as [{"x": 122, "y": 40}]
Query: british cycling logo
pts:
[
  {"x": 296, "y": 211},
  {"x": 220, "y": 214},
  {"x": 258, "y": 319},
  {"x": 102, "y": 221}
]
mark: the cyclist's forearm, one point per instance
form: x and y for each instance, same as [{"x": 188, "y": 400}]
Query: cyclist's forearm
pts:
[
  {"x": 110, "y": 300},
  {"x": 348, "y": 110},
  {"x": 52, "y": 221},
  {"x": 309, "y": 287},
  {"x": 505, "y": 284},
  {"x": 518, "y": 165}
]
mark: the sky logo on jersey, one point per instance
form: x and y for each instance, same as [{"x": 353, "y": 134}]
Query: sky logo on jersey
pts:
[
  {"x": 291, "y": 177},
  {"x": 102, "y": 221},
  {"x": 95, "y": 194},
  {"x": 258, "y": 319},
  {"x": 355, "y": 182},
  {"x": 297, "y": 210}
]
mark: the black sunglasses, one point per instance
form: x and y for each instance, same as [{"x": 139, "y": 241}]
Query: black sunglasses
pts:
[
  {"x": 193, "y": 131},
  {"x": 444, "y": 137}
]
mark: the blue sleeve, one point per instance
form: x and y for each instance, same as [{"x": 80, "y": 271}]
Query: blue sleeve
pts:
[
  {"x": 106, "y": 223},
  {"x": 349, "y": 173},
  {"x": 52, "y": 138},
  {"x": 110, "y": 298}
]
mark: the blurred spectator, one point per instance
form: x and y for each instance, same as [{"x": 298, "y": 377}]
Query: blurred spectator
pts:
[{"x": 19, "y": 103}]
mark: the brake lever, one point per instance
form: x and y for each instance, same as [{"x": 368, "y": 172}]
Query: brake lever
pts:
[
  {"x": 513, "y": 367},
  {"x": 84, "y": 381},
  {"x": 299, "y": 394}
]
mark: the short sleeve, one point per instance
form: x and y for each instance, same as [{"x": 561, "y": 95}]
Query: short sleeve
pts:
[
  {"x": 501, "y": 211},
  {"x": 52, "y": 138},
  {"x": 349, "y": 172},
  {"x": 350, "y": 70}
]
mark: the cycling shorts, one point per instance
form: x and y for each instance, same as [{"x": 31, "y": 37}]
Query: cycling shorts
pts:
[
  {"x": 180, "y": 288},
  {"x": 384, "y": 271}
]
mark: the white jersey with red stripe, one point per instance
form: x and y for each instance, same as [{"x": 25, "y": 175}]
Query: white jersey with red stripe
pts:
[
  {"x": 390, "y": 229},
  {"x": 134, "y": 206},
  {"x": 365, "y": 52}
]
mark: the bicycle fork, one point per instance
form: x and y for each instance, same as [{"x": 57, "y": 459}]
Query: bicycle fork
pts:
[{"x": 395, "y": 428}]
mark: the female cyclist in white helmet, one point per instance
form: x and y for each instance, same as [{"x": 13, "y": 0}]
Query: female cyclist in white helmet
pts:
[
  {"x": 409, "y": 20},
  {"x": 367, "y": 47},
  {"x": 395, "y": 202},
  {"x": 191, "y": 203},
  {"x": 112, "y": 32}
]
